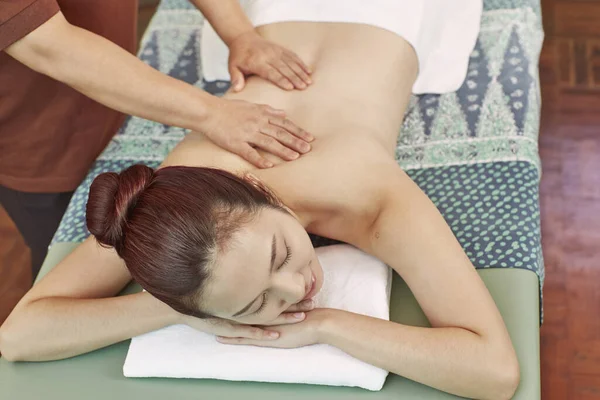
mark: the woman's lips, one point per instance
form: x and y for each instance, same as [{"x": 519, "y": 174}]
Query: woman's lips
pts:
[{"x": 310, "y": 292}]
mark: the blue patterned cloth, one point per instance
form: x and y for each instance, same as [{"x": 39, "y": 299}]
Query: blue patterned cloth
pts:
[{"x": 473, "y": 152}]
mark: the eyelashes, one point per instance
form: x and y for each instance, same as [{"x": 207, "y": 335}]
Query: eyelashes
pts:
[
  {"x": 263, "y": 304},
  {"x": 288, "y": 256},
  {"x": 265, "y": 295}
]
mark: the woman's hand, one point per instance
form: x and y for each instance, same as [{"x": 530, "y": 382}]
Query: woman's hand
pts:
[
  {"x": 249, "y": 53},
  {"x": 223, "y": 328},
  {"x": 241, "y": 127},
  {"x": 304, "y": 333}
]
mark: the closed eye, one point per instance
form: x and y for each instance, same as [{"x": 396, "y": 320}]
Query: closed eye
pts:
[
  {"x": 263, "y": 304},
  {"x": 287, "y": 256}
]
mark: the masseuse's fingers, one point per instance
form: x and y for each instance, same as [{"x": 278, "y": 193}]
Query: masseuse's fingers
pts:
[
  {"x": 252, "y": 156},
  {"x": 287, "y": 139},
  {"x": 296, "y": 64},
  {"x": 298, "y": 61},
  {"x": 275, "y": 112},
  {"x": 272, "y": 146},
  {"x": 289, "y": 73},
  {"x": 237, "y": 78},
  {"x": 292, "y": 128},
  {"x": 273, "y": 75}
]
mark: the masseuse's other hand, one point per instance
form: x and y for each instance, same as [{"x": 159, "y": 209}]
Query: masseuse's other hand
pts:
[
  {"x": 249, "y": 53},
  {"x": 223, "y": 328},
  {"x": 241, "y": 127}
]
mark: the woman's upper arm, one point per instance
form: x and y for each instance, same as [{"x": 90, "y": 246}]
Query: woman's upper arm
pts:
[
  {"x": 90, "y": 271},
  {"x": 413, "y": 238}
]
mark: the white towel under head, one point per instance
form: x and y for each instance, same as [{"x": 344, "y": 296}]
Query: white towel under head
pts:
[
  {"x": 442, "y": 32},
  {"x": 353, "y": 281}
]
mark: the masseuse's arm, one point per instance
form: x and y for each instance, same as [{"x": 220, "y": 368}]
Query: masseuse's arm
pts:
[
  {"x": 249, "y": 52},
  {"x": 110, "y": 75}
]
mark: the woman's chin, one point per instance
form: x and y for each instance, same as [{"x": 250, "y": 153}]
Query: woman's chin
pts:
[{"x": 319, "y": 276}]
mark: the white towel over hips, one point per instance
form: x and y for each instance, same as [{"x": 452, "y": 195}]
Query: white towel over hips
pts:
[{"x": 442, "y": 32}]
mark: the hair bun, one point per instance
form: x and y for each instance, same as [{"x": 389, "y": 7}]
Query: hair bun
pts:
[{"x": 112, "y": 197}]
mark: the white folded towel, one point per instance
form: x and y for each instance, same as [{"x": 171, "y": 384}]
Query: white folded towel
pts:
[
  {"x": 353, "y": 281},
  {"x": 442, "y": 32}
]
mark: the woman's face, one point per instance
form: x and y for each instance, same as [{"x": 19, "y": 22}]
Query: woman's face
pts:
[{"x": 266, "y": 267}]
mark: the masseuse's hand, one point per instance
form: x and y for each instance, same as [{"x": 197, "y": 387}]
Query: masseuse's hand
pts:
[
  {"x": 241, "y": 127},
  {"x": 249, "y": 53},
  {"x": 304, "y": 333},
  {"x": 223, "y": 328}
]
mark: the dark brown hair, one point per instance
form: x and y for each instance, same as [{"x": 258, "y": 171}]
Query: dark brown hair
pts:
[{"x": 169, "y": 225}]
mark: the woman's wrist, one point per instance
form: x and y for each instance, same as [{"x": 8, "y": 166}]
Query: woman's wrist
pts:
[
  {"x": 326, "y": 321},
  {"x": 167, "y": 315}
]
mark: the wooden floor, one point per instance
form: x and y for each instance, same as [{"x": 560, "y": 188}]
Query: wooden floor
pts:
[{"x": 570, "y": 201}]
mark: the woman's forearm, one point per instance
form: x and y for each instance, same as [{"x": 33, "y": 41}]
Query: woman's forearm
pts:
[
  {"x": 110, "y": 75},
  {"x": 454, "y": 360},
  {"x": 56, "y": 328},
  {"x": 226, "y": 17}
]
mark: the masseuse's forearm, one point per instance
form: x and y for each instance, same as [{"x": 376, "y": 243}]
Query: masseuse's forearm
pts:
[
  {"x": 226, "y": 17},
  {"x": 57, "y": 328},
  {"x": 110, "y": 75},
  {"x": 450, "y": 359}
]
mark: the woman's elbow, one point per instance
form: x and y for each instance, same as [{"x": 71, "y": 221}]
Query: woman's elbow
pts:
[
  {"x": 15, "y": 336},
  {"x": 9, "y": 344},
  {"x": 505, "y": 377}
]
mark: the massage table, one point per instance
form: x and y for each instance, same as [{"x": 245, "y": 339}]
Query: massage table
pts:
[{"x": 474, "y": 152}]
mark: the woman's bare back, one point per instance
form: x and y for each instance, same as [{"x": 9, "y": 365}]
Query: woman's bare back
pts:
[{"x": 362, "y": 82}]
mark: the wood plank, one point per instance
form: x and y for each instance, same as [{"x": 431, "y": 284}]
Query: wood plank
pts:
[{"x": 577, "y": 18}]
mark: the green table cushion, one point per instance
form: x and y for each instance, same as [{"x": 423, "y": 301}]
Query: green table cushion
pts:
[{"x": 98, "y": 375}]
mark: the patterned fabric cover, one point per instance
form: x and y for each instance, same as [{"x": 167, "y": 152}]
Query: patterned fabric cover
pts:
[{"x": 474, "y": 152}]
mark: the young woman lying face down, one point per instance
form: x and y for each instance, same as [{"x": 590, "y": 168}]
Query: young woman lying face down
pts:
[{"x": 209, "y": 235}]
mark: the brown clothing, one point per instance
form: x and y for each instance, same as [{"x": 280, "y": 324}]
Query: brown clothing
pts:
[{"x": 49, "y": 133}]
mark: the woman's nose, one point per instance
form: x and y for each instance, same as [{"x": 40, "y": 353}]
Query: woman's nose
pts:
[{"x": 290, "y": 288}]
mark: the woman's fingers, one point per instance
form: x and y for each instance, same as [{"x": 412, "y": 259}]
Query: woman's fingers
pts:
[
  {"x": 241, "y": 341},
  {"x": 287, "y": 318},
  {"x": 306, "y": 305},
  {"x": 247, "y": 332}
]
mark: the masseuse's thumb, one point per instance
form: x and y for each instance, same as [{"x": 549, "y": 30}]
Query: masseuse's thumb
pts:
[{"x": 237, "y": 79}]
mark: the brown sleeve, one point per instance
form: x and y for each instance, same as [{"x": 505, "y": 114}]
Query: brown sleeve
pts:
[{"x": 19, "y": 17}]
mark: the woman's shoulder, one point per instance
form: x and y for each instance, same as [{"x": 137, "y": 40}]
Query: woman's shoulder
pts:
[{"x": 195, "y": 150}]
